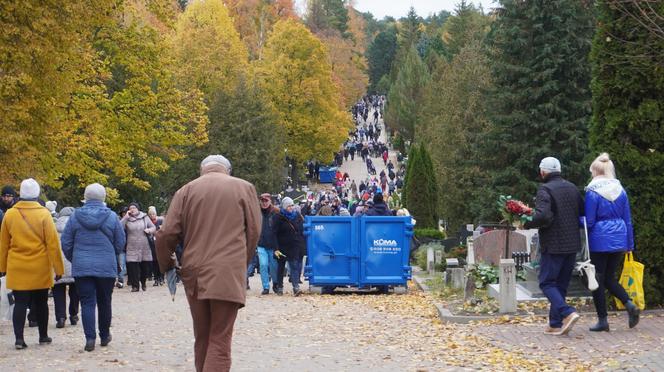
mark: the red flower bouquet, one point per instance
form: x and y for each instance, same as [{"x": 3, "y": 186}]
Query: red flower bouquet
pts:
[{"x": 514, "y": 210}]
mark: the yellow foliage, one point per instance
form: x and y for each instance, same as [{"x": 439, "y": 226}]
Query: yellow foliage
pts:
[
  {"x": 296, "y": 75},
  {"x": 207, "y": 49}
]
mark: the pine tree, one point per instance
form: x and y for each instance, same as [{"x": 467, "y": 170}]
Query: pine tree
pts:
[
  {"x": 455, "y": 122},
  {"x": 380, "y": 54},
  {"x": 628, "y": 123},
  {"x": 404, "y": 108},
  {"x": 419, "y": 193},
  {"x": 541, "y": 100}
]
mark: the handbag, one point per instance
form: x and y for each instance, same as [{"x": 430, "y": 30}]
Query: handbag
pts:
[
  {"x": 632, "y": 280},
  {"x": 585, "y": 268}
]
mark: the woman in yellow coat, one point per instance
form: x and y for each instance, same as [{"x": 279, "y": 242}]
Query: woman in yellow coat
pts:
[{"x": 29, "y": 256}]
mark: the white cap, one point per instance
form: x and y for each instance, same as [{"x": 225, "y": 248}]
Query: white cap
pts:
[
  {"x": 286, "y": 202},
  {"x": 95, "y": 191},
  {"x": 30, "y": 189},
  {"x": 550, "y": 165},
  {"x": 217, "y": 159}
]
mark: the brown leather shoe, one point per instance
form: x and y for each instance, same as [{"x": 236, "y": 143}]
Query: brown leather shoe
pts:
[
  {"x": 552, "y": 331},
  {"x": 568, "y": 322}
]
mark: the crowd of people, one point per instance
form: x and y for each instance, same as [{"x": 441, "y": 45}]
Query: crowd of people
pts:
[{"x": 90, "y": 249}]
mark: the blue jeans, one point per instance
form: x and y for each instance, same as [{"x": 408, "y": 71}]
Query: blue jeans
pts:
[
  {"x": 268, "y": 266},
  {"x": 122, "y": 260},
  {"x": 95, "y": 294},
  {"x": 554, "y": 277},
  {"x": 294, "y": 268},
  {"x": 252, "y": 266}
]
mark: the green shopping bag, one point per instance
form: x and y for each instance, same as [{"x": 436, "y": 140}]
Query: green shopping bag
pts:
[{"x": 632, "y": 280}]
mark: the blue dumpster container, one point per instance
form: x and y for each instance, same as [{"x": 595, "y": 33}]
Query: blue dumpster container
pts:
[
  {"x": 360, "y": 252},
  {"x": 327, "y": 174}
]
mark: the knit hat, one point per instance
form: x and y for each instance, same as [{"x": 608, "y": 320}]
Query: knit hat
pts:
[
  {"x": 51, "y": 205},
  {"x": 550, "y": 165},
  {"x": 8, "y": 190},
  {"x": 95, "y": 191},
  {"x": 30, "y": 189},
  {"x": 287, "y": 202}
]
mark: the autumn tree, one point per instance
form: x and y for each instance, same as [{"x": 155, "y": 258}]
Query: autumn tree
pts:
[
  {"x": 108, "y": 109},
  {"x": 296, "y": 75},
  {"x": 208, "y": 50},
  {"x": 253, "y": 20},
  {"x": 323, "y": 15}
]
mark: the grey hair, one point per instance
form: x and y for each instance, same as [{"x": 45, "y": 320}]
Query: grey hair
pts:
[{"x": 217, "y": 159}]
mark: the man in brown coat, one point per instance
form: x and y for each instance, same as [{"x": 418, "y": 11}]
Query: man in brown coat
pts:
[{"x": 217, "y": 219}]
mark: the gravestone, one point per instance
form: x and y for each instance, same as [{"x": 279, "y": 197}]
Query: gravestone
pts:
[
  {"x": 489, "y": 247},
  {"x": 507, "y": 285},
  {"x": 531, "y": 285},
  {"x": 430, "y": 260},
  {"x": 529, "y": 237},
  {"x": 470, "y": 254},
  {"x": 455, "y": 277}
]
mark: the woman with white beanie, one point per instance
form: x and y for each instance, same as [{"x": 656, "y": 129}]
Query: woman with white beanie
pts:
[
  {"x": 29, "y": 254},
  {"x": 91, "y": 241}
]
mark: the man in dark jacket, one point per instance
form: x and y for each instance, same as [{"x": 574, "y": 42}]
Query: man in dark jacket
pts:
[
  {"x": 558, "y": 208},
  {"x": 8, "y": 198},
  {"x": 267, "y": 244},
  {"x": 379, "y": 207}
]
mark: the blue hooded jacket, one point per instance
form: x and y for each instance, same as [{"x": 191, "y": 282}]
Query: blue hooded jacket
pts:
[
  {"x": 92, "y": 239},
  {"x": 608, "y": 216}
]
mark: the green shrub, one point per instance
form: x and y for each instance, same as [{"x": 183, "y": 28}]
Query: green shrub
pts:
[
  {"x": 483, "y": 275},
  {"x": 429, "y": 233}
]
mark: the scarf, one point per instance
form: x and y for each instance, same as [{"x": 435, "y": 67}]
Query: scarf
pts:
[{"x": 292, "y": 216}]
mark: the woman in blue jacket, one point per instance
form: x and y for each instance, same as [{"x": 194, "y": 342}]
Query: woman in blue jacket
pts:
[
  {"x": 92, "y": 239},
  {"x": 610, "y": 235}
]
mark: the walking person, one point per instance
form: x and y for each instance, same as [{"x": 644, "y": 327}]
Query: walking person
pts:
[
  {"x": 267, "y": 244},
  {"x": 122, "y": 257},
  {"x": 92, "y": 240},
  {"x": 66, "y": 282},
  {"x": 139, "y": 230},
  {"x": 610, "y": 235},
  {"x": 289, "y": 229},
  {"x": 29, "y": 254},
  {"x": 217, "y": 219},
  {"x": 157, "y": 276},
  {"x": 558, "y": 207}
]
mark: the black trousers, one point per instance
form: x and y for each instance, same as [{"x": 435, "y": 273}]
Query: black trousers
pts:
[
  {"x": 138, "y": 271},
  {"x": 606, "y": 265},
  {"x": 37, "y": 301},
  {"x": 156, "y": 273},
  {"x": 60, "y": 300}
]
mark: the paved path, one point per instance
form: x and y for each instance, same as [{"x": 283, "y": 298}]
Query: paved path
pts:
[
  {"x": 308, "y": 333},
  {"x": 357, "y": 169}
]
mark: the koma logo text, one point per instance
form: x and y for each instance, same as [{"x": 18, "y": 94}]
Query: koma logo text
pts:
[{"x": 384, "y": 242}]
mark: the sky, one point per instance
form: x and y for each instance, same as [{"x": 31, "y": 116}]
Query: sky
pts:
[{"x": 399, "y": 8}]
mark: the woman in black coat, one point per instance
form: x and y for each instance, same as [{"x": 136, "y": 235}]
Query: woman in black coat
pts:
[{"x": 288, "y": 226}]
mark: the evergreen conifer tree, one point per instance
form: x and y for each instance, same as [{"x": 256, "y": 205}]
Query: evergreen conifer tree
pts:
[
  {"x": 404, "y": 108},
  {"x": 628, "y": 123},
  {"x": 420, "y": 191},
  {"x": 541, "y": 100}
]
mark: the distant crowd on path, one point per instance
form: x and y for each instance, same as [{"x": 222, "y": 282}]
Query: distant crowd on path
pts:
[{"x": 283, "y": 244}]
